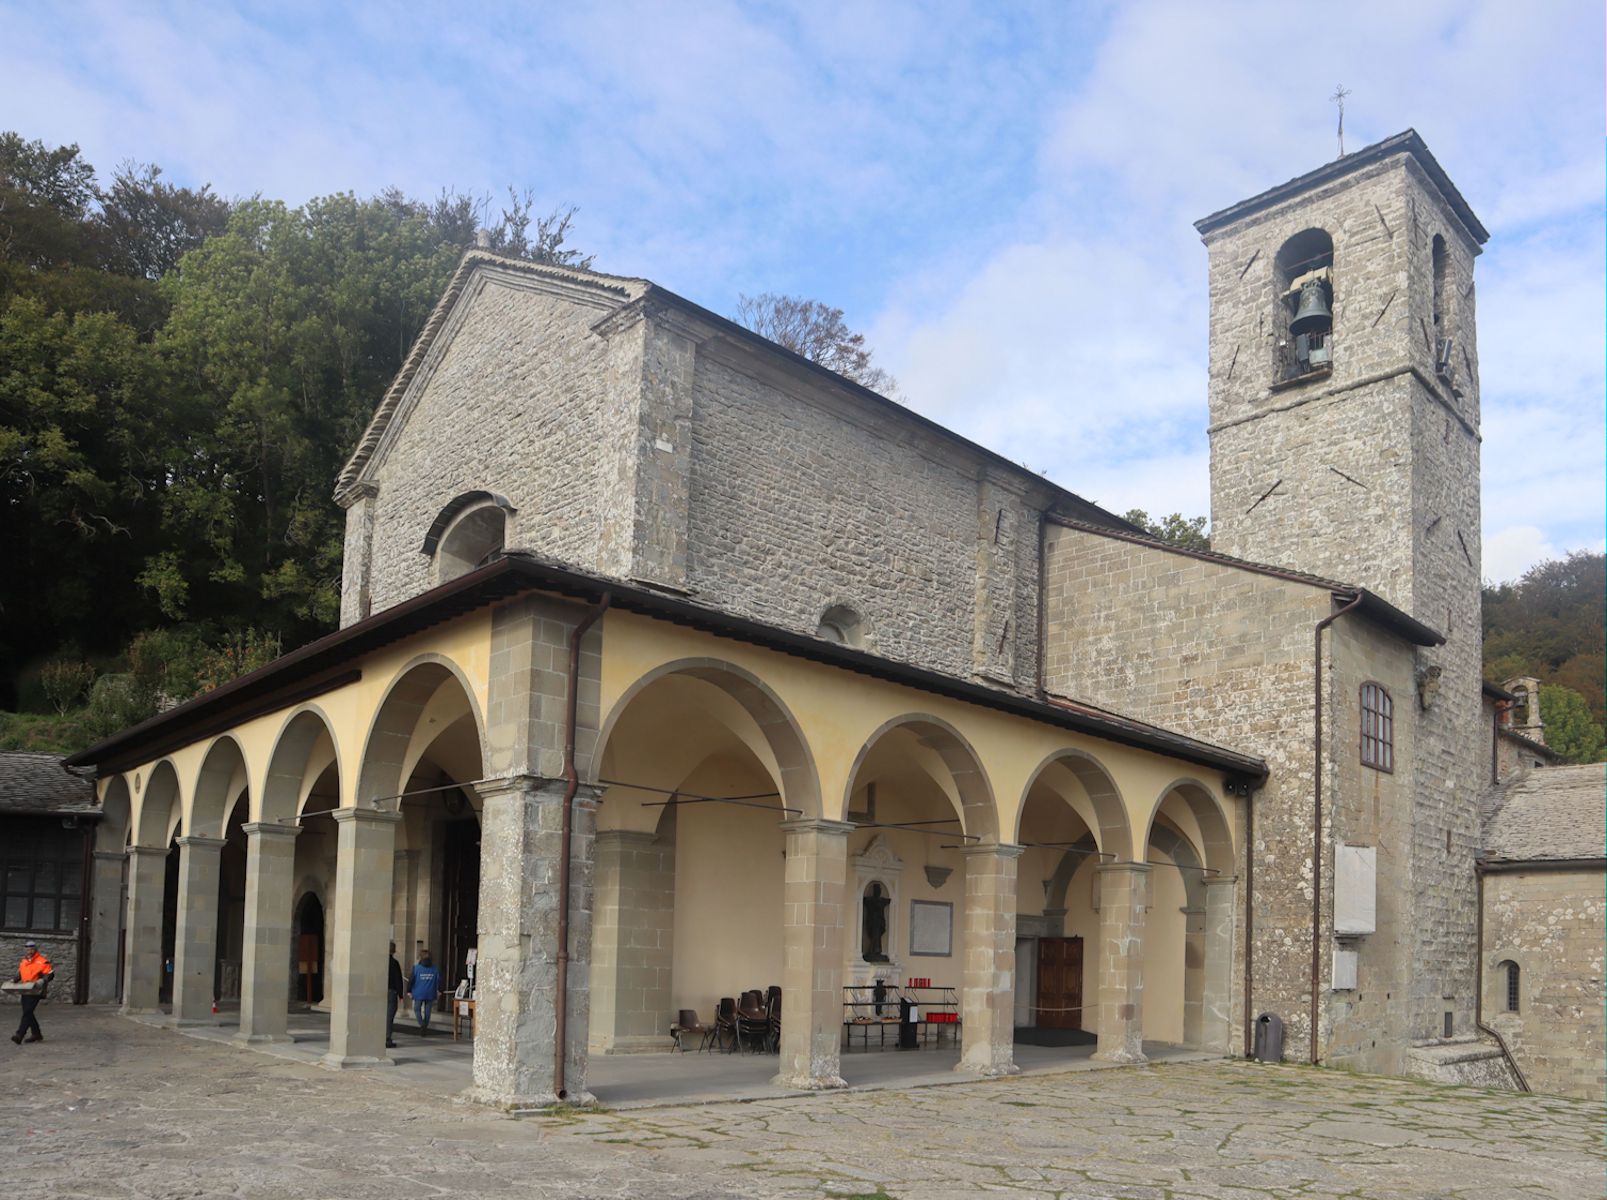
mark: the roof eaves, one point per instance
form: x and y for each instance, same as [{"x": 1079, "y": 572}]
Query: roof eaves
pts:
[
  {"x": 264, "y": 689},
  {"x": 1407, "y": 142},
  {"x": 1372, "y": 605}
]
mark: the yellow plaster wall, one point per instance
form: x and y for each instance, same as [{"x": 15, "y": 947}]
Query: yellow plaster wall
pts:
[{"x": 838, "y": 713}]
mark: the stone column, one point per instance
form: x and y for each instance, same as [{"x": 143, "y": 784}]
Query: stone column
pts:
[
  {"x": 1221, "y": 902},
  {"x": 359, "y": 954},
  {"x": 105, "y": 924},
  {"x": 404, "y": 902},
  {"x": 987, "y": 1001},
  {"x": 195, "y": 942},
  {"x": 633, "y": 943},
  {"x": 813, "y": 917},
  {"x": 270, "y": 877},
  {"x": 142, "y": 954},
  {"x": 516, "y": 983},
  {"x": 1124, "y": 900},
  {"x": 1193, "y": 976}
]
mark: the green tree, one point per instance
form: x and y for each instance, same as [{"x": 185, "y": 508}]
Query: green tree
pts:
[
  {"x": 1570, "y": 729},
  {"x": 1552, "y": 624},
  {"x": 1185, "y": 532}
]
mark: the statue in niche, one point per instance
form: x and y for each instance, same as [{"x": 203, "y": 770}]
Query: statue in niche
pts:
[{"x": 875, "y": 903}]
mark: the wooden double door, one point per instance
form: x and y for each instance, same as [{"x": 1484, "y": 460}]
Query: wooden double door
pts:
[{"x": 1059, "y": 983}]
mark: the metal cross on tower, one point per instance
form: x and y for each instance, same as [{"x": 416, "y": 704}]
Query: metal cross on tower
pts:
[{"x": 1339, "y": 98}]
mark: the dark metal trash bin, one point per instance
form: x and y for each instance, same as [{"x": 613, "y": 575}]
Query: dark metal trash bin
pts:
[{"x": 1268, "y": 1038}]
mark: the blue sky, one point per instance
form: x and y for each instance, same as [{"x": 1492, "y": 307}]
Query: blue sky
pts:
[{"x": 1001, "y": 196}]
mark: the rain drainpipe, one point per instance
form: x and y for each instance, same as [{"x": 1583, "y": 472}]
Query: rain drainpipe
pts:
[
  {"x": 1249, "y": 920},
  {"x": 1478, "y": 988},
  {"x": 1316, "y": 825},
  {"x": 571, "y": 786}
]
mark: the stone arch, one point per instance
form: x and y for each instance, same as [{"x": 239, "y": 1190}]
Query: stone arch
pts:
[
  {"x": 288, "y": 762},
  {"x": 470, "y": 530},
  {"x": 1215, "y": 829},
  {"x": 390, "y": 734},
  {"x": 799, "y": 782},
  {"x": 458, "y": 506},
  {"x": 979, "y": 814},
  {"x": 214, "y": 796},
  {"x": 157, "y": 805},
  {"x": 1084, "y": 852},
  {"x": 112, "y": 833},
  {"x": 845, "y": 625},
  {"x": 1113, "y": 833},
  {"x": 1180, "y": 850}
]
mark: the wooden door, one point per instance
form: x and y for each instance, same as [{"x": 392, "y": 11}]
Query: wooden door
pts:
[{"x": 1060, "y": 983}]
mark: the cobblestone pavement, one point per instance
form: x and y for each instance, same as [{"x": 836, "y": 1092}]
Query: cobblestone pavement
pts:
[{"x": 108, "y": 1108}]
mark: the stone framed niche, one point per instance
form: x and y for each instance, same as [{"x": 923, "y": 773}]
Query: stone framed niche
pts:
[{"x": 877, "y": 863}]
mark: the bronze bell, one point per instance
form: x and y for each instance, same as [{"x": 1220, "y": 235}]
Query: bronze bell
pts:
[{"x": 1312, "y": 315}]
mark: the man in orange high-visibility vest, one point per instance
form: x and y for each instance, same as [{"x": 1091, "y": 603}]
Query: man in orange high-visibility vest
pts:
[{"x": 35, "y": 967}]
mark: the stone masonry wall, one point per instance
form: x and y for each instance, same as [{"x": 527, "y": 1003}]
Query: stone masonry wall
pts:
[
  {"x": 797, "y": 505},
  {"x": 512, "y": 406},
  {"x": 1223, "y": 655},
  {"x": 1370, "y": 475},
  {"x": 1550, "y": 924},
  {"x": 1365, "y": 806}
]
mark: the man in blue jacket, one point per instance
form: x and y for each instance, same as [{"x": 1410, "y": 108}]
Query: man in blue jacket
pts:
[{"x": 424, "y": 987}]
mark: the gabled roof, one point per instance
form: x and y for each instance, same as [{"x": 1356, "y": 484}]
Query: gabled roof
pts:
[
  {"x": 331, "y": 662},
  {"x": 40, "y": 785},
  {"x": 1550, "y": 814},
  {"x": 1407, "y": 142},
  {"x": 628, "y": 290},
  {"x": 624, "y": 288},
  {"x": 1372, "y": 605}
]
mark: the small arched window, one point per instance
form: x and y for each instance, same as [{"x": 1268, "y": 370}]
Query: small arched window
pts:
[
  {"x": 468, "y": 533},
  {"x": 1303, "y": 322},
  {"x": 1509, "y": 970},
  {"x": 842, "y": 625},
  {"x": 1444, "y": 337},
  {"x": 1377, "y": 728}
]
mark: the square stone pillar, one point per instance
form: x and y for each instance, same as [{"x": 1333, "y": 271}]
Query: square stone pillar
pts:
[
  {"x": 1221, "y": 903},
  {"x": 142, "y": 953},
  {"x": 516, "y": 981},
  {"x": 1123, "y": 902},
  {"x": 264, "y": 969},
  {"x": 988, "y": 997},
  {"x": 195, "y": 941},
  {"x": 1193, "y": 976},
  {"x": 106, "y": 921},
  {"x": 633, "y": 943},
  {"x": 813, "y": 919},
  {"x": 359, "y": 955}
]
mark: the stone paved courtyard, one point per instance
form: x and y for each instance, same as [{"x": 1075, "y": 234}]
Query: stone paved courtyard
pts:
[{"x": 109, "y": 1108}]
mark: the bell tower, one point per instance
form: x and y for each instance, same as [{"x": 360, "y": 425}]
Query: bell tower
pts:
[
  {"x": 1344, "y": 386},
  {"x": 1344, "y": 424}
]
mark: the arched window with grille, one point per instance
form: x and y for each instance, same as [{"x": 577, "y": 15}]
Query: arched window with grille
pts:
[
  {"x": 1510, "y": 969},
  {"x": 1377, "y": 728}
]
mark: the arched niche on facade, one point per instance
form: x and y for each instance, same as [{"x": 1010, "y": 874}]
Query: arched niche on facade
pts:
[{"x": 467, "y": 533}]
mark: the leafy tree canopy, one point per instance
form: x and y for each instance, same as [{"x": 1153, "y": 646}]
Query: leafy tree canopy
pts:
[
  {"x": 1187, "y": 532},
  {"x": 1552, "y": 625},
  {"x": 1569, "y": 727},
  {"x": 816, "y": 331}
]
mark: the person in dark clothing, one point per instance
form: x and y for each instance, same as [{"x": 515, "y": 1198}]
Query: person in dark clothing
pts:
[
  {"x": 36, "y": 969},
  {"x": 394, "y": 987}
]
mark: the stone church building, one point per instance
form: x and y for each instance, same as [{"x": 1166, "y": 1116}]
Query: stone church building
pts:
[{"x": 672, "y": 665}]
